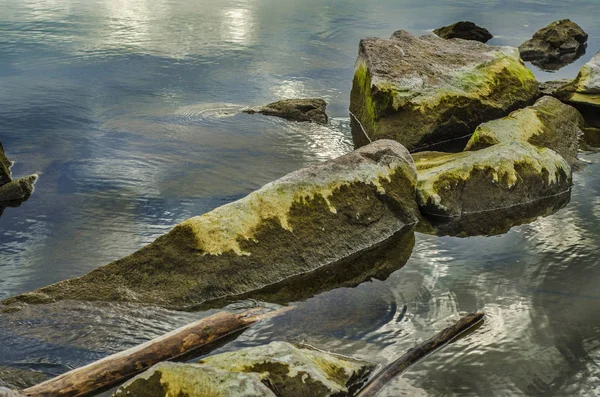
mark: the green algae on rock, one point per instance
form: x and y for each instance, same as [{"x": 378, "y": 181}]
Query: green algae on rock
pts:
[
  {"x": 292, "y": 371},
  {"x": 548, "y": 123},
  {"x": 169, "y": 379},
  {"x": 585, "y": 89},
  {"x": 5, "y": 165},
  {"x": 308, "y": 219},
  {"x": 18, "y": 189},
  {"x": 309, "y": 109},
  {"x": 427, "y": 90},
  {"x": 497, "y": 177}
]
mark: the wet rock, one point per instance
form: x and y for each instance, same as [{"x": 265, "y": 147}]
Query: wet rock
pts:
[
  {"x": 427, "y": 90},
  {"x": 306, "y": 220},
  {"x": 548, "y": 123},
  {"x": 192, "y": 380},
  {"x": 556, "y": 45},
  {"x": 18, "y": 189},
  {"x": 464, "y": 30},
  {"x": 497, "y": 177},
  {"x": 5, "y": 165},
  {"x": 311, "y": 109},
  {"x": 16, "y": 378},
  {"x": 4, "y": 392},
  {"x": 291, "y": 371},
  {"x": 584, "y": 91}
]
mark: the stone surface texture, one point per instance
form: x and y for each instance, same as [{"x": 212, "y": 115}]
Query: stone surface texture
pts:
[
  {"x": 464, "y": 30},
  {"x": 310, "y": 109}
]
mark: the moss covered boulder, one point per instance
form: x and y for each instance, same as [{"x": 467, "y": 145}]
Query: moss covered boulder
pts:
[
  {"x": 309, "y": 109},
  {"x": 548, "y": 123},
  {"x": 497, "y": 177},
  {"x": 304, "y": 221},
  {"x": 18, "y": 189},
  {"x": 421, "y": 91},
  {"x": 5, "y": 165},
  {"x": 585, "y": 89}
]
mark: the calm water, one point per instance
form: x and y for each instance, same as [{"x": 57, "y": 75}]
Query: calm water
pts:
[{"x": 129, "y": 111}]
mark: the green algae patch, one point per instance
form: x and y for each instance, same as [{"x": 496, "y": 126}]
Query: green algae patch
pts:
[
  {"x": 497, "y": 177},
  {"x": 585, "y": 89},
  {"x": 548, "y": 123},
  {"x": 305, "y": 221},
  {"x": 425, "y": 91}
]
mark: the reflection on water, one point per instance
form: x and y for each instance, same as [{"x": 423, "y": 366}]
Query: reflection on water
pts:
[{"x": 129, "y": 110}]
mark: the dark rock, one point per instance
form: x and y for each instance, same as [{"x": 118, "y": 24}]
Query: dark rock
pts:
[
  {"x": 427, "y": 90},
  {"x": 464, "y": 30},
  {"x": 18, "y": 189},
  {"x": 551, "y": 87},
  {"x": 312, "y": 109},
  {"x": 555, "y": 46},
  {"x": 5, "y": 165},
  {"x": 306, "y": 220}
]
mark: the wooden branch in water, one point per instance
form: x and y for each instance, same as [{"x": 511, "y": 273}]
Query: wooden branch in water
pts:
[
  {"x": 381, "y": 379},
  {"x": 122, "y": 366}
]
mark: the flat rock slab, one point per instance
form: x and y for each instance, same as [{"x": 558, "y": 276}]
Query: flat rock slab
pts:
[
  {"x": 548, "y": 123},
  {"x": 278, "y": 369},
  {"x": 497, "y": 177},
  {"x": 464, "y": 30},
  {"x": 424, "y": 91},
  {"x": 311, "y": 109},
  {"x": 306, "y": 220}
]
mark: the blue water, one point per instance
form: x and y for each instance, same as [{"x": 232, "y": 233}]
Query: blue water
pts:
[{"x": 129, "y": 111}]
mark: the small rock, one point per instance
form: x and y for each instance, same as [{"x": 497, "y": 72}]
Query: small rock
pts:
[
  {"x": 550, "y": 87},
  {"x": 464, "y": 30},
  {"x": 312, "y": 110},
  {"x": 18, "y": 189},
  {"x": 5, "y": 165},
  {"x": 585, "y": 89},
  {"x": 556, "y": 45},
  {"x": 548, "y": 123},
  {"x": 497, "y": 177}
]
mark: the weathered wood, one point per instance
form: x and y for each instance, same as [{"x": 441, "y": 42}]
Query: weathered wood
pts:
[
  {"x": 381, "y": 379},
  {"x": 121, "y": 366}
]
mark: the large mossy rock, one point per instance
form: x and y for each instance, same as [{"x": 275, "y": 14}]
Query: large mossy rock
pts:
[
  {"x": 309, "y": 109},
  {"x": 585, "y": 89},
  {"x": 278, "y": 369},
  {"x": 18, "y": 189},
  {"x": 304, "y": 221},
  {"x": 427, "y": 90},
  {"x": 5, "y": 165},
  {"x": 497, "y": 177},
  {"x": 465, "y": 30},
  {"x": 548, "y": 123}
]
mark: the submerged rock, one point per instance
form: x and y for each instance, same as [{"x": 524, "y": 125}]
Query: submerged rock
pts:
[
  {"x": 464, "y": 30},
  {"x": 18, "y": 189},
  {"x": 311, "y": 109},
  {"x": 556, "y": 45},
  {"x": 497, "y": 177},
  {"x": 278, "y": 369},
  {"x": 427, "y": 90},
  {"x": 304, "y": 221},
  {"x": 4, "y": 392},
  {"x": 548, "y": 123},
  {"x": 5, "y": 165},
  {"x": 585, "y": 89}
]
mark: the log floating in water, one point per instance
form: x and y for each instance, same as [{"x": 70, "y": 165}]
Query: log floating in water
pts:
[
  {"x": 121, "y": 366},
  {"x": 381, "y": 379}
]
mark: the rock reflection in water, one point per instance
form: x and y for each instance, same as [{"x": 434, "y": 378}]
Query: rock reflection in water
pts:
[
  {"x": 492, "y": 223},
  {"x": 554, "y": 64}
]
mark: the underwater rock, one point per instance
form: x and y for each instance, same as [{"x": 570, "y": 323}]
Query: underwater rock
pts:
[
  {"x": 428, "y": 90},
  {"x": 555, "y": 46},
  {"x": 191, "y": 380},
  {"x": 548, "y": 123},
  {"x": 585, "y": 89},
  {"x": 311, "y": 109},
  {"x": 308, "y": 219},
  {"x": 292, "y": 371},
  {"x": 499, "y": 176},
  {"x": 5, "y": 165},
  {"x": 4, "y": 392},
  {"x": 464, "y": 30},
  {"x": 18, "y": 189}
]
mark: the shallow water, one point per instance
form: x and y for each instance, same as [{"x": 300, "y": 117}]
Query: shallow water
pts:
[{"x": 129, "y": 110}]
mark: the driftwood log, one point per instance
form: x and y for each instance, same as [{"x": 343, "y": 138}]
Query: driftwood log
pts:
[
  {"x": 382, "y": 378},
  {"x": 121, "y": 366}
]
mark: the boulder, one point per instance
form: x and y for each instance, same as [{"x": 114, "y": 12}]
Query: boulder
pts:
[
  {"x": 428, "y": 90},
  {"x": 556, "y": 45},
  {"x": 585, "y": 89},
  {"x": 464, "y": 30},
  {"x": 497, "y": 177},
  {"x": 295, "y": 225},
  {"x": 5, "y": 165},
  {"x": 169, "y": 379},
  {"x": 291, "y": 371},
  {"x": 18, "y": 189},
  {"x": 548, "y": 123},
  {"x": 311, "y": 109}
]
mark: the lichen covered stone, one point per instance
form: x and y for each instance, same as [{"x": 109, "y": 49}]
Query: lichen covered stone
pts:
[
  {"x": 18, "y": 189},
  {"x": 497, "y": 177},
  {"x": 585, "y": 89},
  {"x": 168, "y": 379},
  {"x": 304, "y": 221},
  {"x": 548, "y": 123},
  {"x": 5, "y": 165},
  {"x": 291, "y": 371},
  {"x": 309, "y": 109},
  {"x": 427, "y": 90}
]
